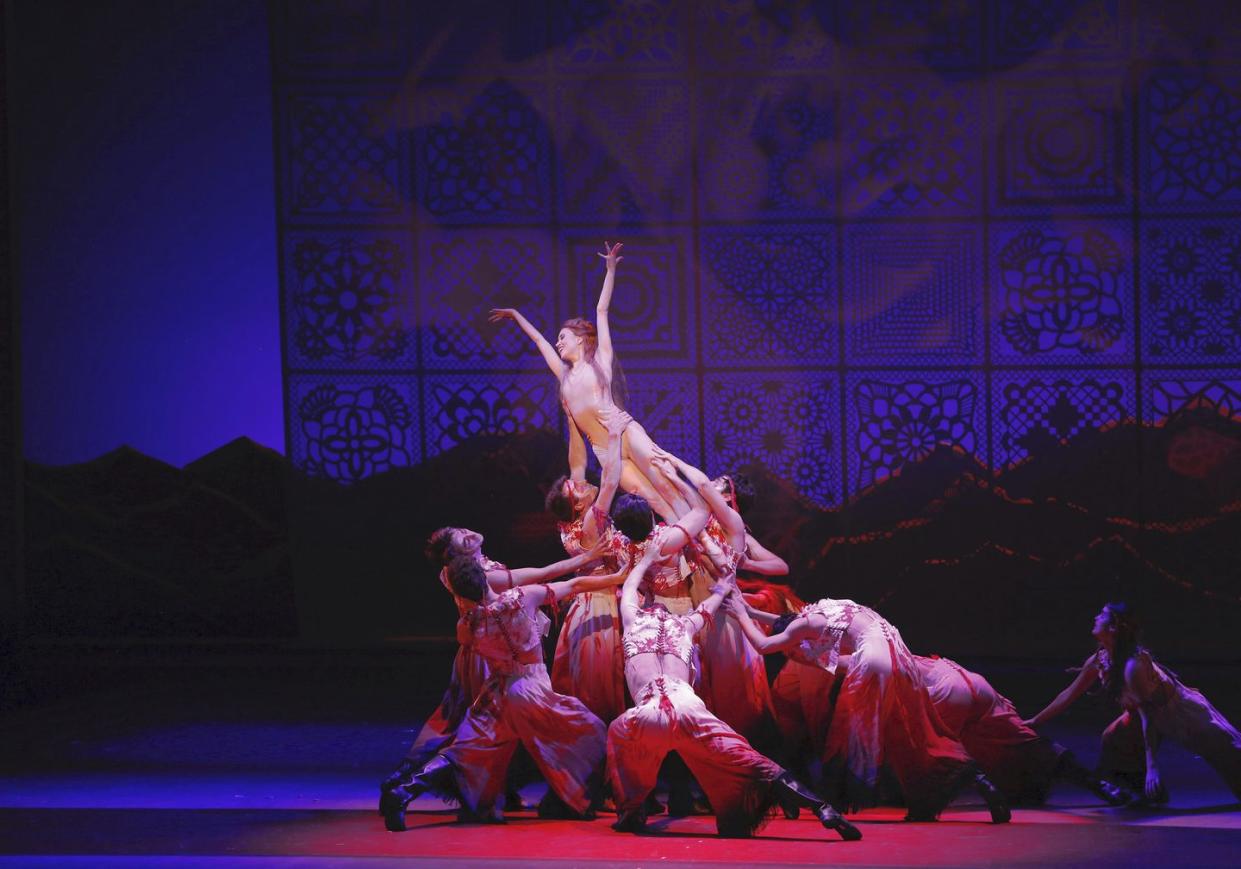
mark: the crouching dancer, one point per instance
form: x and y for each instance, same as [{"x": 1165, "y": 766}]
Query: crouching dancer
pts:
[
  {"x": 741, "y": 784},
  {"x": 516, "y": 704}
]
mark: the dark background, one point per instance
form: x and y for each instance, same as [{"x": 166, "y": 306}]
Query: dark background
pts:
[{"x": 958, "y": 283}]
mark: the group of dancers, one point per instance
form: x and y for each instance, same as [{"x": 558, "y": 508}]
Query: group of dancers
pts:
[{"x": 674, "y": 663}]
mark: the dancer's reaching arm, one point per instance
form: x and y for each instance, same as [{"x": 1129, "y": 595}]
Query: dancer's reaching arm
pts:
[
  {"x": 611, "y": 256},
  {"x": 759, "y": 559},
  {"x": 796, "y": 631},
  {"x": 760, "y": 616},
  {"x": 720, "y": 592},
  {"x": 539, "y": 594},
  {"x": 1086, "y": 677},
  {"x": 503, "y": 579},
  {"x": 545, "y": 347},
  {"x": 729, "y": 519},
  {"x": 630, "y": 602},
  {"x": 689, "y": 525}
]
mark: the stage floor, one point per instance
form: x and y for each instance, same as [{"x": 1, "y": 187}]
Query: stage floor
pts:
[{"x": 255, "y": 763}]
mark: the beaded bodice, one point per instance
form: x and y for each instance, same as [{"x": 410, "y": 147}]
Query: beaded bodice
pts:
[
  {"x": 504, "y": 633},
  {"x": 823, "y": 650},
  {"x": 660, "y": 632}
]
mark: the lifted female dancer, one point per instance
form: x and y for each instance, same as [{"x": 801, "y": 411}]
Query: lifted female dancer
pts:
[
  {"x": 1156, "y": 704},
  {"x": 583, "y": 363}
]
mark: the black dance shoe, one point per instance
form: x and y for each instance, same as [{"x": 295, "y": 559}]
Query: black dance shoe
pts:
[
  {"x": 398, "y": 775},
  {"x": 631, "y": 821},
  {"x": 435, "y": 774},
  {"x": 996, "y": 804},
  {"x": 789, "y": 791}
]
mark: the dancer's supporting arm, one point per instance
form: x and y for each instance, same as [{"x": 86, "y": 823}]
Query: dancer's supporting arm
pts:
[
  {"x": 730, "y": 520},
  {"x": 596, "y": 520},
  {"x": 577, "y": 450},
  {"x": 723, "y": 589},
  {"x": 797, "y": 630},
  {"x": 1138, "y": 675},
  {"x": 630, "y": 602},
  {"x": 690, "y": 525},
  {"x": 1086, "y": 677},
  {"x": 603, "y": 353},
  {"x": 502, "y": 580},
  {"x": 759, "y": 559},
  {"x": 549, "y": 352},
  {"x": 548, "y": 593}
]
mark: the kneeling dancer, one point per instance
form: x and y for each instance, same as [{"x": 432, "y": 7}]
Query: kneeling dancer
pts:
[
  {"x": 516, "y": 704},
  {"x": 668, "y": 716}
]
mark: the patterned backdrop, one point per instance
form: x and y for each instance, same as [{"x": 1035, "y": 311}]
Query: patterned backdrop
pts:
[{"x": 853, "y": 231}]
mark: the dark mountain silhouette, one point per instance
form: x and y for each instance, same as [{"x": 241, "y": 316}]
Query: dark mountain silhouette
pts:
[{"x": 239, "y": 543}]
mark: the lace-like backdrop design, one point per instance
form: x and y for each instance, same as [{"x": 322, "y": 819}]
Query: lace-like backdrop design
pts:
[
  {"x": 628, "y": 34},
  {"x": 346, "y": 308},
  {"x": 911, "y": 147},
  {"x": 1036, "y": 413},
  {"x": 1061, "y": 143},
  {"x": 486, "y": 157},
  {"x": 466, "y": 273},
  {"x": 653, "y": 307},
  {"x": 767, "y": 147},
  {"x": 1173, "y": 392},
  {"x": 922, "y": 33},
  {"x": 666, "y": 403},
  {"x": 344, "y": 157},
  {"x": 764, "y": 36},
  {"x": 1065, "y": 291},
  {"x": 787, "y": 422},
  {"x": 627, "y": 151},
  {"x": 901, "y": 421},
  {"x": 1024, "y": 31},
  {"x": 351, "y": 427},
  {"x": 1191, "y": 154},
  {"x": 913, "y": 294},
  {"x": 459, "y": 407},
  {"x": 1191, "y": 277},
  {"x": 769, "y": 296}
]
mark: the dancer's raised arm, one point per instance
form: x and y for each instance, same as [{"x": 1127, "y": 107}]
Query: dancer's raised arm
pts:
[
  {"x": 596, "y": 520},
  {"x": 797, "y": 630},
  {"x": 577, "y": 451},
  {"x": 630, "y": 602},
  {"x": 611, "y": 256},
  {"x": 689, "y": 525},
  {"x": 549, "y": 352},
  {"x": 1086, "y": 677},
  {"x": 503, "y": 579},
  {"x": 730, "y": 520}
]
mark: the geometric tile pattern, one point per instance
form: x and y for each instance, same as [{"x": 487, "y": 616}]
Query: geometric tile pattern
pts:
[{"x": 854, "y": 232}]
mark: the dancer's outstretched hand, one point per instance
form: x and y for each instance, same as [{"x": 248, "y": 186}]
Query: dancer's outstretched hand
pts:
[
  {"x": 664, "y": 467},
  {"x": 611, "y": 255},
  {"x": 734, "y": 605},
  {"x": 498, "y": 314}
]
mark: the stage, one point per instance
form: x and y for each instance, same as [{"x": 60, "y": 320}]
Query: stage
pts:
[{"x": 249, "y": 756}]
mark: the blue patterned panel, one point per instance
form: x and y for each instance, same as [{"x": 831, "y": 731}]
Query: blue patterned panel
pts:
[
  {"x": 743, "y": 34},
  {"x": 1061, "y": 144},
  {"x": 944, "y": 36},
  {"x": 482, "y": 156},
  {"x": 626, "y": 151},
  {"x": 464, "y": 273},
  {"x": 344, "y": 157},
  {"x": 327, "y": 38},
  {"x": 351, "y": 426},
  {"x": 1191, "y": 281},
  {"x": 346, "y": 300},
  {"x": 1034, "y": 412},
  {"x": 1058, "y": 32},
  {"x": 1171, "y": 392},
  {"x": 653, "y": 309},
  {"x": 1191, "y": 140},
  {"x": 769, "y": 296},
  {"x": 786, "y": 422},
  {"x": 911, "y": 147},
  {"x": 767, "y": 147},
  {"x": 900, "y": 418},
  {"x": 462, "y": 406},
  {"x": 666, "y": 403},
  {"x": 1062, "y": 292},
  {"x": 589, "y": 35},
  {"x": 913, "y": 294}
]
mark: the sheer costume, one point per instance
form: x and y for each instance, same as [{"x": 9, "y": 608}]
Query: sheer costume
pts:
[
  {"x": 1176, "y": 711},
  {"x": 882, "y": 715},
  {"x": 668, "y": 716},
  {"x": 517, "y": 704},
  {"x": 588, "y": 663}
]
